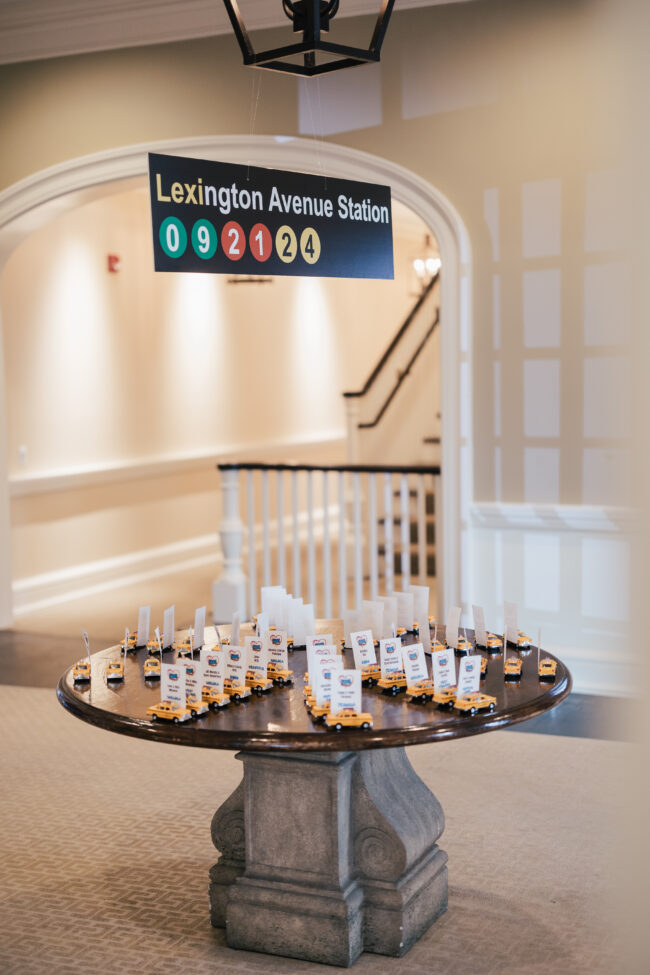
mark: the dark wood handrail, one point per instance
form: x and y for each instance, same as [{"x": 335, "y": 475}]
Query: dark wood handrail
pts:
[
  {"x": 399, "y": 334},
  {"x": 336, "y": 468},
  {"x": 402, "y": 377}
]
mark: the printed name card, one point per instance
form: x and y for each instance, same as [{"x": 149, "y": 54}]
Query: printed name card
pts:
[
  {"x": 199, "y": 627},
  {"x": 363, "y": 648},
  {"x": 144, "y": 615},
  {"x": 510, "y": 622},
  {"x": 453, "y": 622},
  {"x": 236, "y": 665},
  {"x": 479, "y": 626},
  {"x": 234, "y": 630},
  {"x": 276, "y": 648},
  {"x": 346, "y": 691},
  {"x": 390, "y": 616},
  {"x": 214, "y": 668},
  {"x": 324, "y": 668},
  {"x": 421, "y": 613},
  {"x": 405, "y": 609},
  {"x": 319, "y": 640},
  {"x": 193, "y": 679},
  {"x": 390, "y": 656},
  {"x": 444, "y": 668},
  {"x": 315, "y": 652},
  {"x": 256, "y": 659},
  {"x": 415, "y": 663},
  {"x": 168, "y": 627},
  {"x": 172, "y": 683},
  {"x": 469, "y": 674}
]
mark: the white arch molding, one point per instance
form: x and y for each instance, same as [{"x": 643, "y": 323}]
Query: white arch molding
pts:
[{"x": 31, "y": 203}]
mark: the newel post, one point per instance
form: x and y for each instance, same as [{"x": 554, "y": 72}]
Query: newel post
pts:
[{"x": 229, "y": 590}]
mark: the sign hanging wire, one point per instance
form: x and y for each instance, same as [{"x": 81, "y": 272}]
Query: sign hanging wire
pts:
[{"x": 256, "y": 82}]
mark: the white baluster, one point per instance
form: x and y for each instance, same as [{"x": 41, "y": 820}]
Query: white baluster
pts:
[
  {"x": 405, "y": 538},
  {"x": 252, "y": 554},
  {"x": 297, "y": 584},
  {"x": 437, "y": 535},
  {"x": 266, "y": 543},
  {"x": 389, "y": 572},
  {"x": 327, "y": 572},
  {"x": 372, "y": 537},
  {"x": 280, "y": 511},
  {"x": 311, "y": 558},
  {"x": 229, "y": 590},
  {"x": 343, "y": 582},
  {"x": 422, "y": 532},
  {"x": 358, "y": 541}
]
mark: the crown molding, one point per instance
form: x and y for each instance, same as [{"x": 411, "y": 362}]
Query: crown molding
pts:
[{"x": 35, "y": 29}]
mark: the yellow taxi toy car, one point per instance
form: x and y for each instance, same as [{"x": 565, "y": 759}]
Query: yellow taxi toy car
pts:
[
  {"x": 278, "y": 674},
  {"x": 318, "y": 711},
  {"x": 420, "y": 692},
  {"x": 349, "y": 718},
  {"x": 152, "y": 668},
  {"x": 81, "y": 671},
  {"x": 153, "y": 647},
  {"x": 523, "y": 641},
  {"x": 214, "y": 698},
  {"x": 169, "y": 711},
  {"x": 437, "y": 645},
  {"x": 183, "y": 648},
  {"x": 464, "y": 646},
  {"x": 493, "y": 643},
  {"x": 484, "y": 663},
  {"x": 236, "y": 692},
  {"x": 475, "y": 702},
  {"x": 432, "y": 621},
  {"x": 370, "y": 674},
  {"x": 196, "y": 707},
  {"x": 115, "y": 670},
  {"x": 444, "y": 697},
  {"x": 547, "y": 669},
  {"x": 512, "y": 668},
  {"x": 392, "y": 684},
  {"x": 133, "y": 638},
  {"x": 261, "y": 685}
]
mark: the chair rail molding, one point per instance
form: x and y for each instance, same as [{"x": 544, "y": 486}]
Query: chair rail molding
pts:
[{"x": 34, "y": 201}]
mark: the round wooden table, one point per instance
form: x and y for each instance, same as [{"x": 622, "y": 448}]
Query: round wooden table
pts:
[{"x": 329, "y": 844}]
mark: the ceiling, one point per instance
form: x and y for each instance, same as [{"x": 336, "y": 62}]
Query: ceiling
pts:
[{"x": 34, "y": 29}]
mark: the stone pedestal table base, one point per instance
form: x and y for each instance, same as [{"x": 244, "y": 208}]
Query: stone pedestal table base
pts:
[{"x": 326, "y": 855}]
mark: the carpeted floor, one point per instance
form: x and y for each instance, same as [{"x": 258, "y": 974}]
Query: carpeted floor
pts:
[{"x": 105, "y": 850}]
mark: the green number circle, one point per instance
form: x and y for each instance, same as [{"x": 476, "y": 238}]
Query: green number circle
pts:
[
  {"x": 173, "y": 237},
  {"x": 204, "y": 239}
]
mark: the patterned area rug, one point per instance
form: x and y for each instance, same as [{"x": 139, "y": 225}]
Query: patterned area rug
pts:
[{"x": 105, "y": 851}]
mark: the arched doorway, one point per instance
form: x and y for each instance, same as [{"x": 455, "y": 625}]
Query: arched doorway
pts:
[{"x": 30, "y": 204}]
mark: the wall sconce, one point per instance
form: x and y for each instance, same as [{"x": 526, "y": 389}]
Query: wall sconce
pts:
[
  {"x": 427, "y": 264},
  {"x": 113, "y": 263}
]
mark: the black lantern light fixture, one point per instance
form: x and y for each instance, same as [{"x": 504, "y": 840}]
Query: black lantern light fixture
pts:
[{"x": 311, "y": 18}]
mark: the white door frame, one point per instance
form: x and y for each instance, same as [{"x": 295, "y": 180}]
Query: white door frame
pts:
[{"x": 31, "y": 203}]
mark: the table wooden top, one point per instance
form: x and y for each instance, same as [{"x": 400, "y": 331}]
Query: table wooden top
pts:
[{"x": 279, "y": 721}]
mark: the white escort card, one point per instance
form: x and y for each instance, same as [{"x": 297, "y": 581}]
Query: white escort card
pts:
[
  {"x": 158, "y": 638},
  {"x": 510, "y": 622},
  {"x": 262, "y": 625},
  {"x": 373, "y": 616},
  {"x": 234, "y": 630},
  {"x": 274, "y": 605},
  {"x": 321, "y": 682},
  {"x": 308, "y": 623},
  {"x": 469, "y": 674},
  {"x": 390, "y": 616},
  {"x": 390, "y": 656},
  {"x": 453, "y": 623},
  {"x": 199, "y": 627},
  {"x": 353, "y": 619},
  {"x": 214, "y": 668},
  {"x": 421, "y": 614},
  {"x": 315, "y": 654},
  {"x": 480, "y": 632},
  {"x": 276, "y": 648},
  {"x": 363, "y": 648},
  {"x": 345, "y": 691},
  {"x": 319, "y": 640},
  {"x": 415, "y": 663},
  {"x": 236, "y": 665},
  {"x": 172, "y": 683},
  {"x": 193, "y": 678},
  {"x": 144, "y": 615},
  {"x": 405, "y": 609},
  {"x": 295, "y": 625},
  {"x": 444, "y": 668},
  {"x": 87, "y": 642},
  {"x": 256, "y": 658},
  {"x": 169, "y": 625}
]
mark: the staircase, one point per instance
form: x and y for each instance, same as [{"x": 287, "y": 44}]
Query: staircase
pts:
[{"x": 415, "y": 542}]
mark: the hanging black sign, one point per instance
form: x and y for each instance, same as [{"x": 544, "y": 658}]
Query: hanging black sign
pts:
[{"x": 222, "y": 218}]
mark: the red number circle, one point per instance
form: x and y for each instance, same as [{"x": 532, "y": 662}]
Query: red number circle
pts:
[
  {"x": 233, "y": 241},
  {"x": 260, "y": 242}
]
